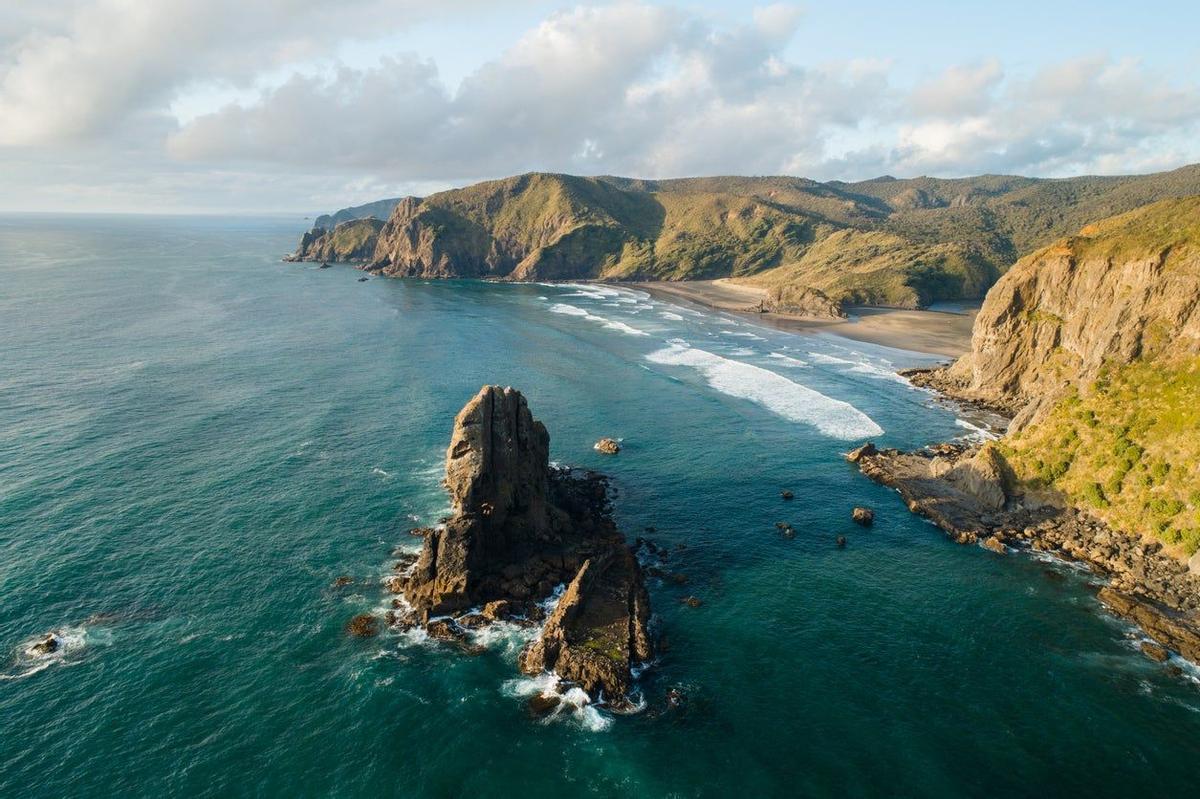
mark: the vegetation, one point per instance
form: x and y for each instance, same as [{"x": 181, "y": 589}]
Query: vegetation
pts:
[
  {"x": 1129, "y": 449},
  {"x": 883, "y": 241}
]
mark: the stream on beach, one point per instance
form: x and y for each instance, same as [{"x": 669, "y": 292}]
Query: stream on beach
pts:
[{"x": 196, "y": 440}]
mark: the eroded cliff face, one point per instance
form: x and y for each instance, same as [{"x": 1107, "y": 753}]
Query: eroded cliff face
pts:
[
  {"x": 1122, "y": 290},
  {"x": 519, "y": 529}
]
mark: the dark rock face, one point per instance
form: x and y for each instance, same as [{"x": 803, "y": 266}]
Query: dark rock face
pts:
[{"x": 520, "y": 528}]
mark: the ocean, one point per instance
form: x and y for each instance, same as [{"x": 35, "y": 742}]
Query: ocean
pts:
[{"x": 197, "y": 439}]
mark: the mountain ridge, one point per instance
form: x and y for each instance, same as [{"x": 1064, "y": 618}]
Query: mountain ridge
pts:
[{"x": 885, "y": 241}]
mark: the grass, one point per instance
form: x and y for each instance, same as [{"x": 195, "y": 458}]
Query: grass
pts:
[{"x": 1129, "y": 448}]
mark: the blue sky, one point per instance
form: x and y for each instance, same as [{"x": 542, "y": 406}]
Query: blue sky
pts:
[{"x": 122, "y": 105}]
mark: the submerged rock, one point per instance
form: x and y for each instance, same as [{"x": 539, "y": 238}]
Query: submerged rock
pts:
[
  {"x": 786, "y": 494},
  {"x": 364, "y": 625}
]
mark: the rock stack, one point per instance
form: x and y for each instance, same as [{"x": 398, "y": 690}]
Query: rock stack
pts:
[{"x": 518, "y": 530}]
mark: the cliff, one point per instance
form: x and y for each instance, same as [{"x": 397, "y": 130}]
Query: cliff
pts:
[
  {"x": 520, "y": 528},
  {"x": 890, "y": 242}
]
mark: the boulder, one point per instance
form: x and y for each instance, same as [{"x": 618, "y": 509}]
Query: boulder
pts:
[
  {"x": 863, "y": 516},
  {"x": 364, "y": 625},
  {"x": 608, "y": 446},
  {"x": 786, "y": 494},
  {"x": 984, "y": 476},
  {"x": 865, "y": 451},
  {"x": 994, "y": 544},
  {"x": 542, "y": 705},
  {"x": 1156, "y": 652},
  {"x": 46, "y": 645},
  {"x": 841, "y": 542}
]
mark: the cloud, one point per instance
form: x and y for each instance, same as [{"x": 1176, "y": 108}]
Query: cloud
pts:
[
  {"x": 88, "y": 88},
  {"x": 78, "y": 70},
  {"x": 625, "y": 88}
]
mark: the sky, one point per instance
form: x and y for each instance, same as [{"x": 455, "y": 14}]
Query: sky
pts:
[{"x": 306, "y": 106}]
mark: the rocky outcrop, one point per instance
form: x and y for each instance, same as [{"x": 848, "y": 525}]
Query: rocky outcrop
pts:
[
  {"x": 1147, "y": 586},
  {"x": 801, "y": 301},
  {"x": 1120, "y": 290},
  {"x": 354, "y": 241},
  {"x": 519, "y": 529}
]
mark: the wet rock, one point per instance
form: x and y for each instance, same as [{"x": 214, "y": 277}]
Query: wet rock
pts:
[
  {"x": 518, "y": 529},
  {"x": 46, "y": 645},
  {"x": 342, "y": 582},
  {"x": 863, "y": 516},
  {"x": 692, "y": 601},
  {"x": 786, "y": 494},
  {"x": 364, "y": 625},
  {"x": 363, "y": 279},
  {"x": 841, "y": 542},
  {"x": 607, "y": 446},
  {"x": 675, "y": 698},
  {"x": 444, "y": 630},
  {"x": 1155, "y": 652},
  {"x": 324, "y": 266},
  {"x": 542, "y": 705},
  {"x": 472, "y": 621},
  {"x": 994, "y": 544},
  {"x": 857, "y": 454}
]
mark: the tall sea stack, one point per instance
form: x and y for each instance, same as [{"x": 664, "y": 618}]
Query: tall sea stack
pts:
[{"x": 519, "y": 529}]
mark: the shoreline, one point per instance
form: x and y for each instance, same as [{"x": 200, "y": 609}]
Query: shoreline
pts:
[
  {"x": 965, "y": 493},
  {"x": 940, "y": 333}
]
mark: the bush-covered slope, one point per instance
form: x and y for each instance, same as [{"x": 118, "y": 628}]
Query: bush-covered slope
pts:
[
  {"x": 885, "y": 241},
  {"x": 1094, "y": 342}
]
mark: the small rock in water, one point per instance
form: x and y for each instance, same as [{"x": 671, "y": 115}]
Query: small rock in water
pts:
[
  {"x": 608, "y": 446},
  {"x": 786, "y": 494},
  {"x": 692, "y": 601},
  {"x": 46, "y": 646},
  {"x": 1155, "y": 652},
  {"x": 863, "y": 516},
  {"x": 542, "y": 705},
  {"x": 675, "y": 698},
  {"x": 841, "y": 542},
  {"x": 343, "y": 581},
  {"x": 363, "y": 279},
  {"x": 364, "y": 625}
]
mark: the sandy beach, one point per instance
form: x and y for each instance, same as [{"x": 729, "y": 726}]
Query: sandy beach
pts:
[{"x": 933, "y": 332}]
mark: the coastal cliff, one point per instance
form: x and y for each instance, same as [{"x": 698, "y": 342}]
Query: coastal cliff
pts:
[
  {"x": 1092, "y": 345},
  {"x": 519, "y": 529},
  {"x": 902, "y": 243}
]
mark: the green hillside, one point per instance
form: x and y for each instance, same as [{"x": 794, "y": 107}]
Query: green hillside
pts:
[{"x": 883, "y": 241}]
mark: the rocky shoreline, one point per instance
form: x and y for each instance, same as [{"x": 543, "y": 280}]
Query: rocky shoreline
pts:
[
  {"x": 520, "y": 532},
  {"x": 964, "y": 490}
]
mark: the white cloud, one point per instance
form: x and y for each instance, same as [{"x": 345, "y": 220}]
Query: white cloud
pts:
[{"x": 91, "y": 92}]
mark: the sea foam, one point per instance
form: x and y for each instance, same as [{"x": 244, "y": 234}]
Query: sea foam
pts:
[
  {"x": 611, "y": 324},
  {"x": 775, "y": 392}
]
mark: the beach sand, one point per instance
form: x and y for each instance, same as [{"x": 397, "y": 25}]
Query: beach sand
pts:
[{"x": 933, "y": 332}]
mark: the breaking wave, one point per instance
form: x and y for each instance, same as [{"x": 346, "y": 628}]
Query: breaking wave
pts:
[
  {"x": 774, "y": 392},
  {"x": 611, "y": 324}
]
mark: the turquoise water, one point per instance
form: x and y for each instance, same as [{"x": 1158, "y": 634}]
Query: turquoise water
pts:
[{"x": 196, "y": 439}]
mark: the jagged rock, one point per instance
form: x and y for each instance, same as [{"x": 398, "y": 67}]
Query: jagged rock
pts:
[
  {"x": 47, "y": 645},
  {"x": 608, "y": 446},
  {"x": 863, "y": 516},
  {"x": 983, "y": 476},
  {"x": 599, "y": 628},
  {"x": 858, "y": 453},
  {"x": 1157, "y": 653},
  {"x": 994, "y": 544},
  {"x": 364, "y": 625},
  {"x": 542, "y": 705},
  {"x": 517, "y": 530},
  {"x": 1165, "y": 627}
]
